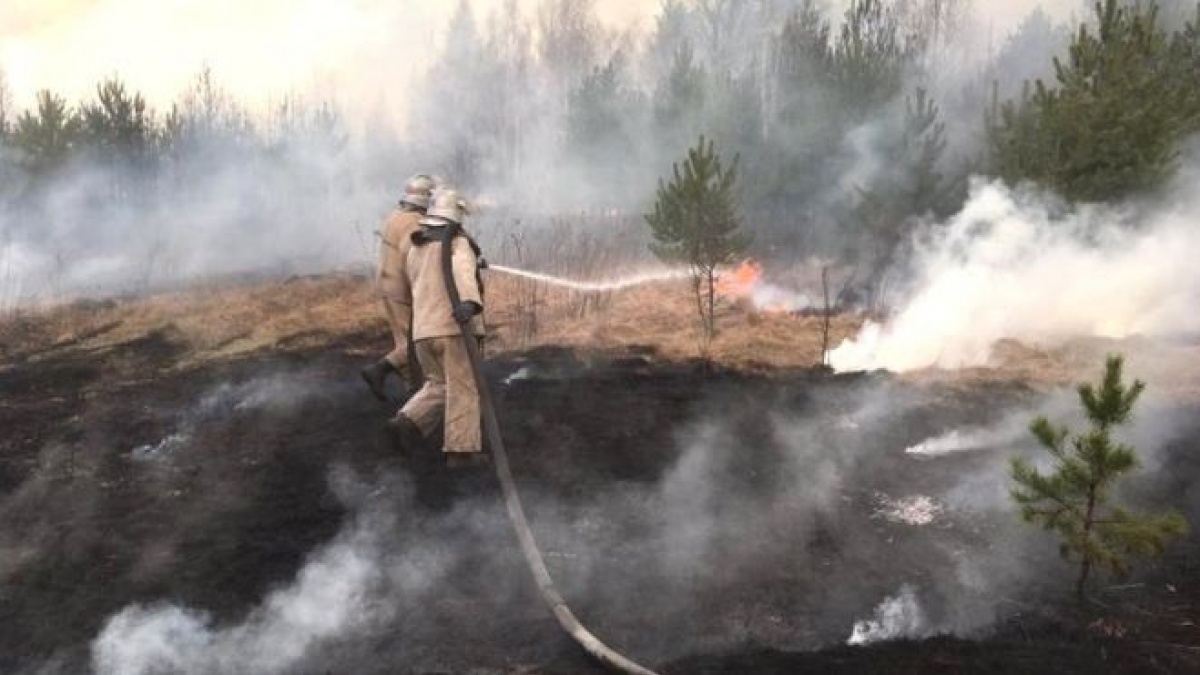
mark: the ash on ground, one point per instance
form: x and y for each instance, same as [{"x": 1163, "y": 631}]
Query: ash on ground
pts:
[{"x": 912, "y": 510}]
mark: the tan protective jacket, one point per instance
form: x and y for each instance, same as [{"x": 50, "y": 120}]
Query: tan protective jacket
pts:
[
  {"x": 431, "y": 304},
  {"x": 396, "y": 239}
]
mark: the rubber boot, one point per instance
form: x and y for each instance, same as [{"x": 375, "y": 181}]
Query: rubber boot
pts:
[
  {"x": 405, "y": 433},
  {"x": 472, "y": 473},
  {"x": 375, "y": 375}
]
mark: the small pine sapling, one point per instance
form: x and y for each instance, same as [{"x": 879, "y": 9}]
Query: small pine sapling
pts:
[
  {"x": 1074, "y": 499},
  {"x": 695, "y": 222}
]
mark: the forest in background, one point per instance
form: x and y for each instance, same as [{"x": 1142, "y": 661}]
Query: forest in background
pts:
[{"x": 853, "y": 124}]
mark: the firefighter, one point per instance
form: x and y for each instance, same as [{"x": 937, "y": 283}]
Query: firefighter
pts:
[
  {"x": 391, "y": 283},
  {"x": 449, "y": 391}
]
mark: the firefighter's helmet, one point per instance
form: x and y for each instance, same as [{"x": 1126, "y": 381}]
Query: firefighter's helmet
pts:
[
  {"x": 417, "y": 191},
  {"x": 445, "y": 206}
]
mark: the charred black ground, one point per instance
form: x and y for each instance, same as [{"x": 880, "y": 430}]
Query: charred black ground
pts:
[{"x": 668, "y": 499}]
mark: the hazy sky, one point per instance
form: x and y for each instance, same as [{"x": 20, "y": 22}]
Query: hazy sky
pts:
[
  {"x": 261, "y": 49},
  {"x": 256, "y": 49}
]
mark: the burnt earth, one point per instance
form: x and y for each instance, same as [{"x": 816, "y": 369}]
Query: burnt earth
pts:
[{"x": 726, "y": 560}]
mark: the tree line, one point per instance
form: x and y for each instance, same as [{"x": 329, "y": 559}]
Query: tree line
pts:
[
  {"x": 848, "y": 133},
  {"x": 117, "y": 151}
]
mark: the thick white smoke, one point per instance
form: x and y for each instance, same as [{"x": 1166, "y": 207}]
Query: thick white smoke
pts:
[{"x": 1009, "y": 266}]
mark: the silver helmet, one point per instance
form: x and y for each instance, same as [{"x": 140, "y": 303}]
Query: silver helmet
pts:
[
  {"x": 445, "y": 207},
  {"x": 417, "y": 191}
]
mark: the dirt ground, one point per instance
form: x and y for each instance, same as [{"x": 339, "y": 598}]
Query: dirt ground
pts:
[{"x": 727, "y": 519}]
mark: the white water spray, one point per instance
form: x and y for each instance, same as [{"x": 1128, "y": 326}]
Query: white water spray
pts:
[{"x": 618, "y": 284}]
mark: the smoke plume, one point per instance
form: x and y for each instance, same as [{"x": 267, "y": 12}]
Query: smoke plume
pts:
[
  {"x": 899, "y": 616},
  {"x": 1012, "y": 265}
]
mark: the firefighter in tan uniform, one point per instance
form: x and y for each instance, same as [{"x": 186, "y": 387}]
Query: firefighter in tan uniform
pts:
[
  {"x": 391, "y": 282},
  {"x": 449, "y": 391}
]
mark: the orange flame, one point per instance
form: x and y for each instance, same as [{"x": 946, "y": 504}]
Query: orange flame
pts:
[{"x": 740, "y": 283}]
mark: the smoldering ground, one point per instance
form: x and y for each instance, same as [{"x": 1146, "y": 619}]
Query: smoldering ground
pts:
[{"x": 678, "y": 520}]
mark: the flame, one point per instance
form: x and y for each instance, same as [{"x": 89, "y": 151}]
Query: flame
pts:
[
  {"x": 745, "y": 283},
  {"x": 741, "y": 282}
]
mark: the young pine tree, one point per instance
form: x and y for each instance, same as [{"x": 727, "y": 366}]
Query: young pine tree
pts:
[
  {"x": 1111, "y": 124},
  {"x": 1074, "y": 499},
  {"x": 48, "y": 136},
  {"x": 695, "y": 222}
]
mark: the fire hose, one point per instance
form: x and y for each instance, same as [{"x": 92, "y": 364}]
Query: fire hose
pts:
[{"x": 512, "y": 499}]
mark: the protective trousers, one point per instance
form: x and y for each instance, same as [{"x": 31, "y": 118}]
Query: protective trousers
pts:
[
  {"x": 399, "y": 316},
  {"x": 450, "y": 388}
]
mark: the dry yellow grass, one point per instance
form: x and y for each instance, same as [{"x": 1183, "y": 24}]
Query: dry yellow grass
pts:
[
  {"x": 664, "y": 316},
  {"x": 221, "y": 321},
  {"x": 211, "y": 321}
]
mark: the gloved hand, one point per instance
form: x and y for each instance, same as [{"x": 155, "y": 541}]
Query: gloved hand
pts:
[{"x": 465, "y": 311}]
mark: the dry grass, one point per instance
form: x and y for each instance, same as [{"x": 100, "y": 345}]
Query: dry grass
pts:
[
  {"x": 210, "y": 322},
  {"x": 225, "y": 321},
  {"x": 664, "y": 316},
  {"x": 228, "y": 320},
  {"x": 1171, "y": 367}
]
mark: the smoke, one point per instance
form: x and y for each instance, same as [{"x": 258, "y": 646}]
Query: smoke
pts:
[
  {"x": 181, "y": 431},
  {"x": 899, "y": 616},
  {"x": 779, "y": 496},
  {"x": 346, "y": 586},
  {"x": 374, "y": 574},
  {"x": 269, "y": 130},
  {"x": 278, "y": 394},
  {"x": 957, "y": 440},
  {"x": 782, "y": 518},
  {"x": 1012, "y": 265},
  {"x": 1010, "y": 429},
  {"x": 774, "y": 297},
  {"x": 779, "y": 516},
  {"x": 18, "y": 266},
  {"x": 219, "y": 211},
  {"x": 286, "y": 164},
  {"x": 835, "y": 490}
]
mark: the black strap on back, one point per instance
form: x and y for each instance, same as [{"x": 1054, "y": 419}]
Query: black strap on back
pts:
[{"x": 446, "y": 235}]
